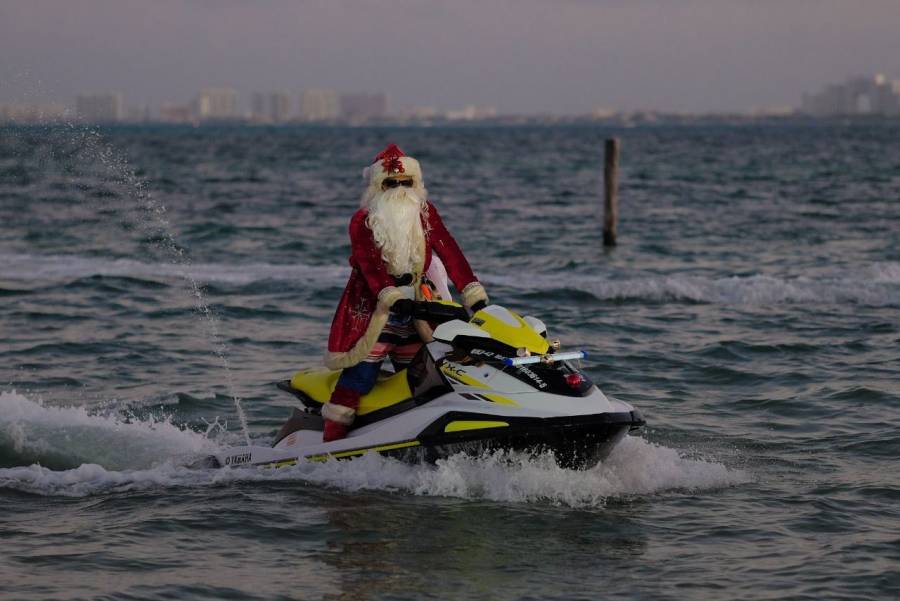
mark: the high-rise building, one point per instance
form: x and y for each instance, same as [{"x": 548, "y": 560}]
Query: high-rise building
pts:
[
  {"x": 216, "y": 103},
  {"x": 417, "y": 113},
  {"x": 32, "y": 113},
  {"x": 472, "y": 113},
  {"x": 100, "y": 108},
  {"x": 271, "y": 108},
  {"x": 320, "y": 105},
  {"x": 176, "y": 113},
  {"x": 359, "y": 108},
  {"x": 138, "y": 114},
  {"x": 857, "y": 96}
]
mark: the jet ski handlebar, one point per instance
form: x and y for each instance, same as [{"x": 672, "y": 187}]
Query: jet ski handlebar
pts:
[{"x": 439, "y": 312}]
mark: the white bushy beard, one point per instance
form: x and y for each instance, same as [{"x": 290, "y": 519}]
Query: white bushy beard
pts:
[{"x": 395, "y": 218}]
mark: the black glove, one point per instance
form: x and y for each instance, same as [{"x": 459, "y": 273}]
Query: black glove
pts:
[
  {"x": 478, "y": 306},
  {"x": 403, "y": 280},
  {"x": 404, "y": 307}
]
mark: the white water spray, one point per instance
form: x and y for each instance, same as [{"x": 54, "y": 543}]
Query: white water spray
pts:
[
  {"x": 150, "y": 220},
  {"x": 66, "y": 437}
]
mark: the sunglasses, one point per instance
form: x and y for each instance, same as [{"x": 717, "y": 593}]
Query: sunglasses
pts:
[{"x": 393, "y": 183}]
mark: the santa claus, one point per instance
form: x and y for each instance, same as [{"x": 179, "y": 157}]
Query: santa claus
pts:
[{"x": 396, "y": 238}]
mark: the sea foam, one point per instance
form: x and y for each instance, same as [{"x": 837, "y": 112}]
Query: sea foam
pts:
[
  {"x": 67, "y": 437},
  {"x": 105, "y": 454},
  {"x": 877, "y": 284},
  {"x": 635, "y": 468}
]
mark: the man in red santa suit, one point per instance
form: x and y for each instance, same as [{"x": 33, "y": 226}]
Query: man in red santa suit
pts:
[{"x": 393, "y": 237}]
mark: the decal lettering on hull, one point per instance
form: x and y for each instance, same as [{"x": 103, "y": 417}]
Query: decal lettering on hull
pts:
[
  {"x": 534, "y": 377},
  {"x": 238, "y": 459}
]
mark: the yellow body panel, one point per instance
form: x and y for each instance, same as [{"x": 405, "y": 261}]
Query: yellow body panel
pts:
[
  {"x": 278, "y": 464},
  {"x": 459, "y": 426},
  {"x": 342, "y": 454},
  {"x": 516, "y": 336},
  {"x": 502, "y": 400},
  {"x": 319, "y": 384},
  {"x": 461, "y": 377},
  {"x": 355, "y": 452}
]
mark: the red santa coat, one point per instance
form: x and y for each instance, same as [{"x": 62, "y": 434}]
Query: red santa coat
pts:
[{"x": 364, "y": 306}]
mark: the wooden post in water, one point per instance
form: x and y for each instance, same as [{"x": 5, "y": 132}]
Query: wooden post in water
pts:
[{"x": 610, "y": 188}]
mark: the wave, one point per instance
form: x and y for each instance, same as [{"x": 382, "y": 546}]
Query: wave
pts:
[
  {"x": 636, "y": 467},
  {"x": 73, "y": 267},
  {"x": 877, "y": 285},
  {"x": 68, "y": 437},
  {"x": 97, "y": 454}
]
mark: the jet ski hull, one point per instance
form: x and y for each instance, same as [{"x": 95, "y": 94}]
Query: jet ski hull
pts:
[{"x": 576, "y": 442}]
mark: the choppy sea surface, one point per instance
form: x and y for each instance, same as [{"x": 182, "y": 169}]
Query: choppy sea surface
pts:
[{"x": 148, "y": 276}]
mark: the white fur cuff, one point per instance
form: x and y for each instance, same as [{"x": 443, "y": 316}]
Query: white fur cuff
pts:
[
  {"x": 338, "y": 413},
  {"x": 389, "y": 295},
  {"x": 473, "y": 293}
]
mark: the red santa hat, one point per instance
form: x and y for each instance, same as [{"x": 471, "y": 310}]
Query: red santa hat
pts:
[{"x": 392, "y": 162}]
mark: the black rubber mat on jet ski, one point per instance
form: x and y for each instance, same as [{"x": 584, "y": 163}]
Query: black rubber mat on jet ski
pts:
[{"x": 300, "y": 420}]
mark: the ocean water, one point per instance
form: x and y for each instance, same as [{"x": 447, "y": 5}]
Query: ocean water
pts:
[{"x": 155, "y": 282}]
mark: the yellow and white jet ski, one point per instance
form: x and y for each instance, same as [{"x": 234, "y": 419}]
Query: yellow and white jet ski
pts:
[{"x": 489, "y": 381}]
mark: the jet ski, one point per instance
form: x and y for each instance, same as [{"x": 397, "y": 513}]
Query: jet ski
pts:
[{"x": 490, "y": 380}]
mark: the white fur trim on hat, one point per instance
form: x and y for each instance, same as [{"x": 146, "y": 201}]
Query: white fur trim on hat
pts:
[{"x": 376, "y": 173}]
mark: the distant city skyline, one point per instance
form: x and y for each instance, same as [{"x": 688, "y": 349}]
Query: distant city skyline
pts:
[
  {"x": 520, "y": 57},
  {"x": 857, "y": 96},
  {"x": 876, "y": 95}
]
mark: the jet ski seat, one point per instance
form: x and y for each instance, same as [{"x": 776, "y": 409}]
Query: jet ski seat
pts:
[
  {"x": 420, "y": 382},
  {"x": 391, "y": 395},
  {"x": 314, "y": 388}
]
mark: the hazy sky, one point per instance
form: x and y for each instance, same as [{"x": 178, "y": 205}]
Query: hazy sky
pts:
[{"x": 559, "y": 56}]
